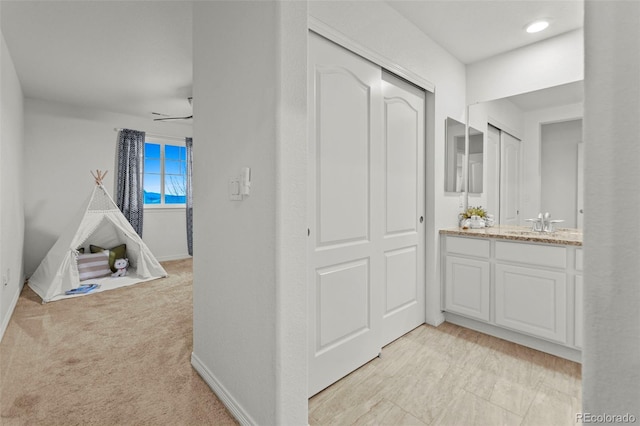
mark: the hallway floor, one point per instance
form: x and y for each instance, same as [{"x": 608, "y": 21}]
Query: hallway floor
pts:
[{"x": 451, "y": 375}]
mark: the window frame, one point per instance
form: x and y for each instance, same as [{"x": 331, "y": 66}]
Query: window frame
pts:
[{"x": 162, "y": 141}]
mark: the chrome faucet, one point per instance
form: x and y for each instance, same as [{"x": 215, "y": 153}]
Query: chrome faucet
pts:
[
  {"x": 543, "y": 223},
  {"x": 538, "y": 224},
  {"x": 546, "y": 222}
]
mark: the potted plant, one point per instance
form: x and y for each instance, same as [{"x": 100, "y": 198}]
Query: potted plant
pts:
[{"x": 475, "y": 216}]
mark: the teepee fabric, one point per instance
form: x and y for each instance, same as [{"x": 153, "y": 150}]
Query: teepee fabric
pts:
[{"x": 100, "y": 223}]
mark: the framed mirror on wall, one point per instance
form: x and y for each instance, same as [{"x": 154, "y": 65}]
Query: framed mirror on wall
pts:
[
  {"x": 455, "y": 156},
  {"x": 464, "y": 169}
]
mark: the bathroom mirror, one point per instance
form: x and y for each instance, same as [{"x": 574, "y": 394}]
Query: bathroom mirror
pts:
[
  {"x": 455, "y": 156},
  {"x": 476, "y": 162},
  {"x": 545, "y": 127}
]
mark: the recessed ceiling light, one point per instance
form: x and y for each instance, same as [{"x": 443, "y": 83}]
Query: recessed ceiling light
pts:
[{"x": 537, "y": 26}]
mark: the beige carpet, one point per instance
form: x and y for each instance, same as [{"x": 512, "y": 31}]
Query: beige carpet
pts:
[{"x": 120, "y": 357}]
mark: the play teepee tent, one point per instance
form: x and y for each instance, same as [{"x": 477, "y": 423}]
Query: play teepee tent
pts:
[{"x": 100, "y": 223}]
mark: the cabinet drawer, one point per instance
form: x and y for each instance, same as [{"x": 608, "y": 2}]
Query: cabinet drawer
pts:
[
  {"x": 543, "y": 255},
  {"x": 468, "y": 246}
]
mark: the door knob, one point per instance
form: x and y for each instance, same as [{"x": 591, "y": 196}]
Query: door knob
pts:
[{"x": 421, "y": 219}]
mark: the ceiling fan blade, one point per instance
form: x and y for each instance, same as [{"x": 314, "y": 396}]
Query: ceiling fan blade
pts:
[{"x": 173, "y": 118}]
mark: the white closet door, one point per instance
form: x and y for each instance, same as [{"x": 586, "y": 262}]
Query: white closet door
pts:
[
  {"x": 345, "y": 260},
  {"x": 509, "y": 179},
  {"x": 403, "y": 208}
]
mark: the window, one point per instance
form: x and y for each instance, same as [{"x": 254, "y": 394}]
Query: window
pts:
[{"x": 165, "y": 169}]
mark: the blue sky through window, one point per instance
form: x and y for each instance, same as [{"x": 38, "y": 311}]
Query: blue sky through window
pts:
[{"x": 165, "y": 175}]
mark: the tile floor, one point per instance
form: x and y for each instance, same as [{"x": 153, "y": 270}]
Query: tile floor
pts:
[{"x": 451, "y": 375}]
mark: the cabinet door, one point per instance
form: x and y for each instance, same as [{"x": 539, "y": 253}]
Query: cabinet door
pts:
[
  {"x": 532, "y": 301},
  {"x": 578, "y": 312},
  {"x": 467, "y": 287}
]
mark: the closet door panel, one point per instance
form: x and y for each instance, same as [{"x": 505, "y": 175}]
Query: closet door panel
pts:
[
  {"x": 403, "y": 234},
  {"x": 366, "y": 210},
  {"x": 345, "y": 261},
  {"x": 343, "y": 150}
]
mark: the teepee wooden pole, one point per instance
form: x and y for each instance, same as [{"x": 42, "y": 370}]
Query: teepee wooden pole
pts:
[{"x": 98, "y": 176}]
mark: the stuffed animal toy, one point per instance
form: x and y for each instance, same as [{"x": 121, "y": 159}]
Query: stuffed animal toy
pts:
[{"x": 121, "y": 266}]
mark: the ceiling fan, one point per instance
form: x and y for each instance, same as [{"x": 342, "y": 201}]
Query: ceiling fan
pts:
[{"x": 166, "y": 117}]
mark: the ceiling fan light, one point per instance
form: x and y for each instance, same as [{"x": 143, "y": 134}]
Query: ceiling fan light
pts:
[{"x": 537, "y": 26}]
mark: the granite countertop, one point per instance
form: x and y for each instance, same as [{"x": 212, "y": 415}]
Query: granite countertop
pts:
[{"x": 563, "y": 236}]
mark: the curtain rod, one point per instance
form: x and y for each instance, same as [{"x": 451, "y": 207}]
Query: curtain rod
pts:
[{"x": 157, "y": 135}]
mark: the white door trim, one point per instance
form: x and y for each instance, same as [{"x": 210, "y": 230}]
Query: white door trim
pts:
[{"x": 330, "y": 33}]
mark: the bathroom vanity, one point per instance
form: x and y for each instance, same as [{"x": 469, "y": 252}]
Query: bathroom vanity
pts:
[{"x": 516, "y": 284}]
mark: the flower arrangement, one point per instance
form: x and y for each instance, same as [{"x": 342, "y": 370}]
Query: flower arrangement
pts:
[
  {"x": 473, "y": 211},
  {"x": 475, "y": 217}
]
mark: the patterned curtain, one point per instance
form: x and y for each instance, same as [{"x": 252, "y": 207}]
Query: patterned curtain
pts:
[
  {"x": 130, "y": 171},
  {"x": 189, "y": 144}
]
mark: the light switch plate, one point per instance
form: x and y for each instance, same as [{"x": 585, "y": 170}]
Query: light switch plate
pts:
[{"x": 234, "y": 189}]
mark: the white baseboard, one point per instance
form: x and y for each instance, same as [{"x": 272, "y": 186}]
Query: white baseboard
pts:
[
  {"x": 227, "y": 399},
  {"x": 173, "y": 257},
  {"x": 9, "y": 313},
  {"x": 542, "y": 345}
]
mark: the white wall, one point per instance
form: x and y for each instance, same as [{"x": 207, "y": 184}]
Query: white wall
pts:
[
  {"x": 62, "y": 144},
  {"x": 559, "y": 170},
  {"x": 548, "y": 63},
  {"x": 11, "y": 187},
  {"x": 380, "y": 29},
  {"x": 291, "y": 213},
  {"x": 610, "y": 373},
  {"x": 249, "y": 256}
]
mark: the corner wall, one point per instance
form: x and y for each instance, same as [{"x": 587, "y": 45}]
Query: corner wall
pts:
[
  {"x": 249, "y": 284},
  {"x": 11, "y": 187},
  {"x": 610, "y": 373}
]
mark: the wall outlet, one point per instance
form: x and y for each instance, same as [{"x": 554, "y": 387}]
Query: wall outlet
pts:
[{"x": 6, "y": 278}]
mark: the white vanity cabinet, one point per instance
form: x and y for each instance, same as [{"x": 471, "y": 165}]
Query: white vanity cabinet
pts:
[
  {"x": 529, "y": 292},
  {"x": 467, "y": 285}
]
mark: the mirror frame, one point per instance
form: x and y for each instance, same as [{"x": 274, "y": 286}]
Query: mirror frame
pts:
[
  {"x": 452, "y": 160},
  {"x": 474, "y": 132}
]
